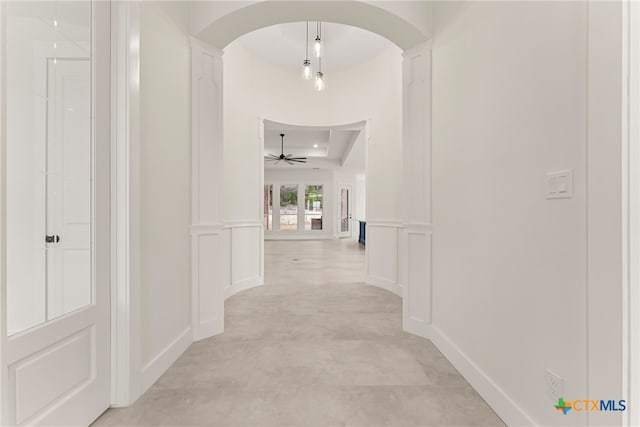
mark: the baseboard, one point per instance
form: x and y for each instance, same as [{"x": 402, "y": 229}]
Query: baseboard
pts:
[
  {"x": 243, "y": 285},
  {"x": 498, "y": 400},
  {"x": 159, "y": 364},
  {"x": 208, "y": 329},
  {"x": 386, "y": 284}
]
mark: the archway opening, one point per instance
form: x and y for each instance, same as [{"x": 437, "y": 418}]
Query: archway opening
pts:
[{"x": 396, "y": 256}]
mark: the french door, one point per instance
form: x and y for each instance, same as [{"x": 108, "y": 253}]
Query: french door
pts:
[
  {"x": 55, "y": 354},
  {"x": 345, "y": 209}
]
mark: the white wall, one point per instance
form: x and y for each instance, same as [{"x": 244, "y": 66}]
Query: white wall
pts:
[
  {"x": 255, "y": 89},
  {"x": 360, "y": 207},
  {"x": 509, "y": 266},
  {"x": 165, "y": 185},
  {"x": 371, "y": 91}
]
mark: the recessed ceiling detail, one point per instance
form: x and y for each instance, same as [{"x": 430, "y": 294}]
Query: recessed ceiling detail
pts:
[{"x": 325, "y": 147}]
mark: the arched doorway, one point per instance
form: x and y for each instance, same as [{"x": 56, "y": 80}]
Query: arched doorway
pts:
[{"x": 405, "y": 242}]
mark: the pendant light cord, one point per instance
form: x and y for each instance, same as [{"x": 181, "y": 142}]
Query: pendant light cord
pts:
[{"x": 306, "y": 44}]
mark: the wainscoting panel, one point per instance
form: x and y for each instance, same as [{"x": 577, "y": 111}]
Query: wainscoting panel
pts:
[
  {"x": 382, "y": 255},
  {"x": 207, "y": 280},
  {"x": 246, "y": 257},
  {"x": 416, "y": 310},
  {"x": 68, "y": 363}
]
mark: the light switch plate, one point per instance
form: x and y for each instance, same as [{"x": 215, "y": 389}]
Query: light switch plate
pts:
[{"x": 560, "y": 184}]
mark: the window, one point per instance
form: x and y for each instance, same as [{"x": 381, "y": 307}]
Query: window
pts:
[
  {"x": 313, "y": 207},
  {"x": 268, "y": 207},
  {"x": 289, "y": 207}
]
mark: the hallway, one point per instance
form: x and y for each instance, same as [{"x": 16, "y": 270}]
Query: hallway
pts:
[{"x": 313, "y": 347}]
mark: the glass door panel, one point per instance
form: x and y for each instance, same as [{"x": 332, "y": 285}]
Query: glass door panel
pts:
[
  {"x": 49, "y": 160},
  {"x": 345, "y": 211},
  {"x": 289, "y": 208},
  {"x": 313, "y": 207}
]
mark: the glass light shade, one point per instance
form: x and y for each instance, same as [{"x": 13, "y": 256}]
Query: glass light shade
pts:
[
  {"x": 306, "y": 69},
  {"x": 317, "y": 47},
  {"x": 319, "y": 82}
]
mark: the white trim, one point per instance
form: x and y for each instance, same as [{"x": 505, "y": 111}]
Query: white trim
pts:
[
  {"x": 624, "y": 209},
  {"x": 496, "y": 397},
  {"x": 199, "y": 229},
  {"x": 418, "y": 228},
  {"x": 163, "y": 361},
  {"x": 243, "y": 224},
  {"x": 4, "y": 380},
  {"x": 125, "y": 323},
  {"x": 243, "y": 285},
  {"x": 417, "y": 49},
  {"x": 261, "y": 198},
  {"x": 386, "y": 284},
  {"x": 206, "y": 46},
  {"x": 632, "y": 253},
  {"x": 384, "y": 223}
]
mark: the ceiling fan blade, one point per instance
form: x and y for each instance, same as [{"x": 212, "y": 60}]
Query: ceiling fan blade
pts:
[
  {"x": 297, "y": 161},
  {"x": 288, "y": 162}
]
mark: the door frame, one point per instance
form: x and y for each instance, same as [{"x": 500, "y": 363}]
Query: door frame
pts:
[
  {"x": 125, "y": 179},
  {"x": 339, "y": 232},
  {"x": 631, "y": 211}
]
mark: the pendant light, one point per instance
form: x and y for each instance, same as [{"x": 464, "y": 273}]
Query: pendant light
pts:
[
  {"x": 320, "y": 84},
  {"x": 306, "y": 65},
  {"x": 317, "y": 45}
]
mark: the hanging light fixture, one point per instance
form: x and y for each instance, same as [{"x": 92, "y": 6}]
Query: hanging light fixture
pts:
[
  {"x": 317, "y": 45},
  {"x": 306, "y": 65},
  {"x": 320, "y": 85}
]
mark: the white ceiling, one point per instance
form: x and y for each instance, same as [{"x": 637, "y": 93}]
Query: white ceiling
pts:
[
  {"x": 343, "y": 45},
  {"x": 337, "y": 146}
]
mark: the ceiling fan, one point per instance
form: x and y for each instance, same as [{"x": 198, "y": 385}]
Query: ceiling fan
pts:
[{"x": 289, "y": 159}]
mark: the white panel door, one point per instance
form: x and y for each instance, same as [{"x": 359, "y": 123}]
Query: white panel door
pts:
[
  {"x": 55, "y": 368},
  {"x": 345, "y": 204}
]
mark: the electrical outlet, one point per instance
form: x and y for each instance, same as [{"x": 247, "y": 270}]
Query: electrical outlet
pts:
[{"x": 554, "y": 385}]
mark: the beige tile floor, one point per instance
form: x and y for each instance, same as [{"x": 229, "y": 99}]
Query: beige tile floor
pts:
[{"x": 313, "y": 347}]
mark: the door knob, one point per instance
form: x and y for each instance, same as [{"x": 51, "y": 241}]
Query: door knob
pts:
[{"x": 53, "y": 238}]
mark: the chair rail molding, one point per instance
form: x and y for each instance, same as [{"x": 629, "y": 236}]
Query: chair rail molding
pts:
[{"x": 415, "y": 246}]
